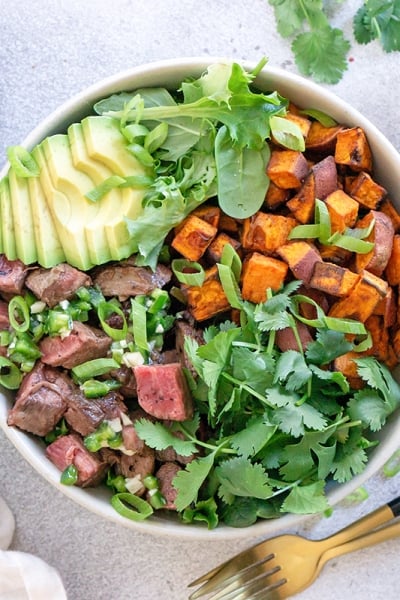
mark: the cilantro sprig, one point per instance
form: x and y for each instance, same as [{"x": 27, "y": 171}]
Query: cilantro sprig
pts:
[{"x": 320, "y": 50}]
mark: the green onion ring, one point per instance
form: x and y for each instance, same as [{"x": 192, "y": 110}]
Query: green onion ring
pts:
[
  {"x": 197, "y": 278},
  {"x": 140, "y": 510}
]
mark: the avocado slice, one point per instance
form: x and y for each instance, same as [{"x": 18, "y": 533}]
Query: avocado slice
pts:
[
  {"x": 67, "y": 214},
  {"x": 48, "y": 245},
  {"x": 7, "y": 221},
  {"x": 110, "y": 215},
  {"x": 22, "y": 218}
]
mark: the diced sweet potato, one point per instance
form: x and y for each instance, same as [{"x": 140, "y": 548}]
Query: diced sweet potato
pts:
[
  {"x": 301, "y": 257},
  {"x": 343, "y": 210},
  {"x": 215, "y": 249},
  {"x": 193, "y": 237},
  {"x": 386, "y": 308},
  {"x": 380, "y": 338},
  {"x": 362, "y": 300},
  {"x": 325, "y": 175},
  {"x": 345, "y": 364},
  {"x": 207, "y": 300},
  {"x": 275, "y": 196},
  {"x": 209, "y": 213},
  {"x": 396, "y": 343},
  {"x": 352, "y": 149},
  {"x": 287, "y": 168},
  {"x": 265, "y": 232},
  {"x": 335, "y": 254},
  {"x": 393, "y": 265},
  {"x": 321, "y": 139},
  {"x": 382, "y": 238},
  {"x": 259, "y": 273},
  {"x": 302, "y": 122},
  {"x": 302, "y": 204},
  {"x": 366, "y": 191},
  {"x": 228, "y": 224},
  {"x": 333, "y": 279},
  {"x": 389, "y": 210},
  {"x": 307, "y": 309}
]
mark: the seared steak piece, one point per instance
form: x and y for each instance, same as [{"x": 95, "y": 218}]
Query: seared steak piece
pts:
[
  {"x": 163, "y": 391},
  {"x": 84, "y": 415},
  {"x": 141, "y": 463},
  {"x": 56, "y": 284},
  {"x": 4, "y": 320},
  {"x": 41, "y": 400},
  {"x": 83, "y": 343},
  {"x": 124, "y": 375},
  {"x": 165, "y": 476},
  {"x": 69, "y": 450},
  {"x": 12, "y": 276},
  {"x": 124, "y": 280},
  {"x": 186, "y": 329}
]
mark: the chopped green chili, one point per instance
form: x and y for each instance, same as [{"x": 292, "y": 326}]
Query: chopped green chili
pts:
[
  {"x": 18, "y": 313},
  {"x": 69, "y": 476},
  {"x": 10, "y": 375},
  {"x": 93, "y": 368}
]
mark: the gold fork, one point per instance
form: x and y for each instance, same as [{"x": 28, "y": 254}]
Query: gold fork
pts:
[{"x": 282, "y": 566}]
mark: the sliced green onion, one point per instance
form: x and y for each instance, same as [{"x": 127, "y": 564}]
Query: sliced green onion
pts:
[
  {"x": 23, "y": 349},
  {"x": 135, "y": 130},
  {"x": 322, "y": 217},
  {"x": 69, "y": 476},
  {"x": 320, "y": 116},
  {"x": 10, "y": 375},
  {"x": 188, "y": 272},
  {"x": 143, "y": 156},
  {"x": 104, "y": 187},
  {"x": 305, "y": 232},
  {"x": 150, "y": 482},
  {"x": 156, "y": 499},
  {"x": 94, "y": 368},
  {"x": 392, "y": 466},
  {"x": 117, "y": 482},
  {"x": 345, "y": 325},
  {"x": 137, "y": 181},
  {"x": 5, "y": 337},
  {"x": 230, "y": 286},
  {"x": 139, "y": 324},
  {"x": 349, "y": 326},
  {"x": 161, "y": 301},
  {"x": 156, "y": 137},
  {"x": 364, "y": 344},
  {"x": 18, "y": 314},
  {"x": 140, "y": 510},
  {"x": 58, "y": 322},
  {"x": 231, "y": 259},
  {"x": 22, "y": 162},
  {"x": 287, "y": 133},
  {"x": 93, "y": 388},
  {"x": 348, "y": 242},
  {"x": 106, "y": 310}
]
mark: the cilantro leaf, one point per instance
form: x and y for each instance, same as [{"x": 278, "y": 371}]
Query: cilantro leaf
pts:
[
  {"x": 306, "y": 499},
  {"x": 327, "y": 346},
  {"x": 249, "y": 441},
  {"x": 350, "y": 458},
  {"x": 292, "y": 417},
  {"x": 188, "y": 481},
  {"x": 159, "y": 437},
  {"x": 292, "y": 370},
  {"x": 378, "y": 376},
  {"x": 369, "y": 408},
  {"x": 378, "y": 20},
  {"x": 240, "y": 477},
  {"x": 204, "y": 511},
  {"x": 289, "y": 16},
  {"x": 301, "y": 457}
]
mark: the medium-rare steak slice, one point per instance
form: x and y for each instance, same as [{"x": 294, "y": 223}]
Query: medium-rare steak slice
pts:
[
  {"x": 69, "y": 450},
  {"x": 163, "y": 391},
  {"x": 41, "y": 400},
  {"x": 83, "y": 343},
  {"x": 12, "y": 276},
  {"x": 125, "y": 280},
  {"x": 56, "y": 284}
]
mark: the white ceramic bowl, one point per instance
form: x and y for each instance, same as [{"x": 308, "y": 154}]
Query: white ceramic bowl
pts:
[{"x": 302, "y": 92}]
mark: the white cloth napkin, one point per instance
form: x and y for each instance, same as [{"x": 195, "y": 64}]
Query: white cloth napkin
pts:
[{"x": 22, "y": 575}]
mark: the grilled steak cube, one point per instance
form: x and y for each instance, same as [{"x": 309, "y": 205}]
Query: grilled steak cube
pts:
[
  {"x": 165, "y": 476},
  {"x": 12, "y": 276},
  {"x": 84, "y": 415},
  {"x": 125, "y": 280},
  {"x": 56, "y": 284},
  {"x": 69, "y": 450}
]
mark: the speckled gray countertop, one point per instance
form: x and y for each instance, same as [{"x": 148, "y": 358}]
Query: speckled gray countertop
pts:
[{"x": 52, "y": 49}]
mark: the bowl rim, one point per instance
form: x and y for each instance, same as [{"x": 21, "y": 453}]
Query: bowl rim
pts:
[{"x": 175, "y": 69}]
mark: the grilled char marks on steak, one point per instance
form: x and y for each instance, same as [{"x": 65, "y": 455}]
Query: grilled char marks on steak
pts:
[
  {"x": 124, "y": 279},
  {"x": 12, "y": 276},
  {"x": 69, "y": 450},
  {"x": 83, "y": 343},
  {"x": 41, "y": 400},
  {"x": 85, "y": 415},
  {"x": 163, "y": 391},
  {"x": 56, "y": 284}
]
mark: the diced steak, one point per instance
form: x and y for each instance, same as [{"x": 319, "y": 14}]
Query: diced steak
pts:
[
  {"x": 165, "y": 476},
  {"x": 163, "y": 391},
  {"x": 69, "y": 450},
  {"x": 185, "y": 329},
  {"x": 41, "y": 400},
  {"x": 84, "y": 415},
  {"x": 4, "y": 319},
  {"x": 56, "y": 284},
  {"x": 12, "y": 276},
  {"x": 169, "y": 454},
  {"x": 83, "y": 343},
  {"x": 125, "y": 376},
  {"x": 124, "y": 280}
]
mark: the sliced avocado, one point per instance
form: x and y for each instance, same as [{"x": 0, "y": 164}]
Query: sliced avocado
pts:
[
  {"x": 67, "y": 216},
  {"x": 74, "y": 184},
  {"x": 7, "y": 221},
  {"x": 109, "y": 216},
  {"x": 48, "y": 246},
  {"x": 22, "y": 218}
]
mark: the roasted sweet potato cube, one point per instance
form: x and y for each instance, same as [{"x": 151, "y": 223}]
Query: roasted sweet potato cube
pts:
[
  {"x": 343, "y": 210},
  {"x": 389, "y": 210},
  {"x": 259, "y": 273},
  {"x": 214, "y": 251},
  {"x": 393, "y": 265},
  {"x": 333, "y": 279},
  {"x": 265, "y": 232},
  {"x": 346, "y": 365},
  {"x": 193, "y": 237},
  {"x": 287, "y": 168},
  {"x": 275, "y": 196},
  {"x": 366, "y": 191},
  {"x": 325, "y": 176},
  {"x": 321, "y": 139},
  {"x": 228, "y": 224},
  {"x": 335, "y": 254},
  {"x": 362, "y": 300},
  {"x": 382, "y": 237},
  {"x": 207, "y": 300},
  {"x": 386, "y": 308},
  {"x": 209, "y": 213},
  {"x": 380, "y": 338},
  {"x": 352, "y": 149},
  {"x": 302, "y": 204},
  {"x": 396, "y": 343},
  {"x": 302, "y": 122},
  {"x": 301, "y": 257}
]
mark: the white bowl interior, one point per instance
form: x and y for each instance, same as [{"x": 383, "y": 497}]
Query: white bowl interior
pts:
[{"x": 304, "y": 93}]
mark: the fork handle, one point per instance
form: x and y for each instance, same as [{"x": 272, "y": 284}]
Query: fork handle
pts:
[{"x": 372, "y": 520}]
